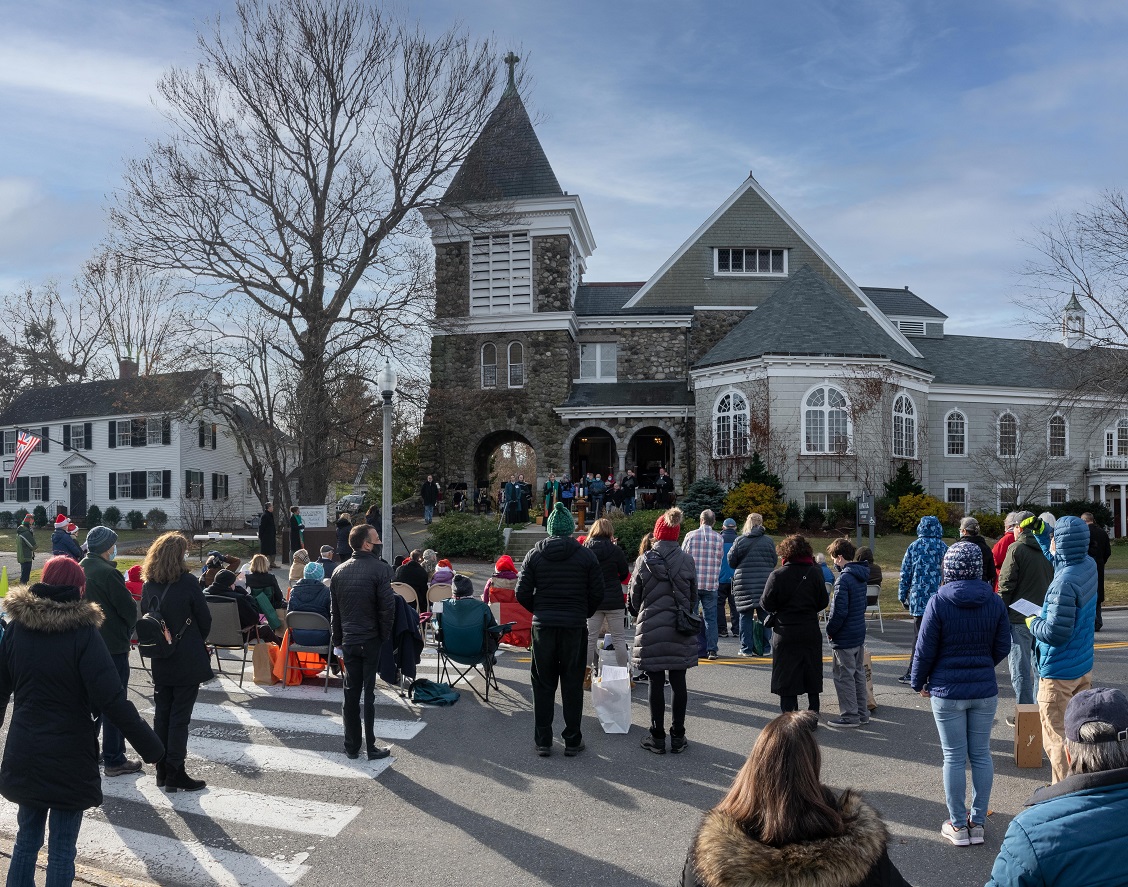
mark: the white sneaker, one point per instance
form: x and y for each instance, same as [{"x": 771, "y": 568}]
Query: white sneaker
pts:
[
  {"x": 975, "y": 832},
  {"x": 956, "y": 834}
]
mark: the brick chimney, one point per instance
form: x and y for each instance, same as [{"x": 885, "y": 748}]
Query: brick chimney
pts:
[{"x": 127, "y": 368}]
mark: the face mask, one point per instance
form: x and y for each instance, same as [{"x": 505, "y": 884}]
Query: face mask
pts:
[{"x": 113, "y": 553}]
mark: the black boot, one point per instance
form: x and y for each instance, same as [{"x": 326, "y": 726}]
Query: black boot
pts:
[
  {"x": 177, "y": 780},
  {"x": 162, "y": 773},
  {"x": 655, "y": 742},
  {"x": 678, "y": 742}
]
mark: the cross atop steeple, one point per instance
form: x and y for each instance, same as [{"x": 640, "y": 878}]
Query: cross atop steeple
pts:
[{"x": 511, "y": 60}]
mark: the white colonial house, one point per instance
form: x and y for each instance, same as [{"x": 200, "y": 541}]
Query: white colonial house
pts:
[{"x": 135, "y": 442}]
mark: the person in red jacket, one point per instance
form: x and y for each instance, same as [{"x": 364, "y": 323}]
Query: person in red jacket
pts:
[{"x": 999, "y": 552}]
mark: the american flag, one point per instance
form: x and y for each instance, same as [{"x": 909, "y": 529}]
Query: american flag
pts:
[{"x": 24, "y": 445}]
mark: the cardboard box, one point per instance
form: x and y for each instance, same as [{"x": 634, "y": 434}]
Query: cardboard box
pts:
[{"x": 1027, "y": 736}]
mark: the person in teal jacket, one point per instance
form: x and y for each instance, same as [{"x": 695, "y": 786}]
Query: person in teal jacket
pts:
[
  {"x": 1063, "y": 634},
  {"x": 921, "y": 576}
]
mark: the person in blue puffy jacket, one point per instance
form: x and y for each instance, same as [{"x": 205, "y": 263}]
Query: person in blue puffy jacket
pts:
[
  {"x": 920, "y": 575},
  {"x": 1063, "y": 634},
  {"x": 965, "y": 633},
  {"x": 846, "y": 631}
]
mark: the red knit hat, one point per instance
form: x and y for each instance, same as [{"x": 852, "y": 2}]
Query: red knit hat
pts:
[
  {"x": 505, "y": 562},
  {"x": 668, "y": 527},
  {"x": 63, "y": 570}
]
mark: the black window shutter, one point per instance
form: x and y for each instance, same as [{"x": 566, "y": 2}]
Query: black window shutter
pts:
[
  {"x": 137, "y": 484},
  {"x": 88, "y": 435},
  {"x": 166, "y": 431},
  {"x": 187, "y": 484},
  {"x": 113, "y": 484},
  {"x": 214, "y": 426},
  {"x": 215, "y": 485},
  {"x": 226, "y": 486},
  {"x": 166, "y": 484},
  {"x": 66, "y": 438},
  {"x": 46, "y": 440},
  {"x": 46, "y": 488},
  {"x": 23, "y": 489},
  {"x": 113, "y": 434},
  {"x": 201, "y": 430},
  {"x": 1, "y": 492}
]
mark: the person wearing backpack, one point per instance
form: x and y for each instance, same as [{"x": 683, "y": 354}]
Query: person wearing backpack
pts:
[
  {"x": 55, "y": 669},
  {"x": 105, "y": 586},
  {"x": 171, "y": 591}
]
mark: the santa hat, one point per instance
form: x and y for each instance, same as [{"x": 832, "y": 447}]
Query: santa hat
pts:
[
  {"x": 505, "y": 562},
  {"x": 72, "y": 528},
  {"x": 61, "y": 522}
]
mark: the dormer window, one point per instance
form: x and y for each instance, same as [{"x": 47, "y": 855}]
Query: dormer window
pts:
[{"x": 759, "y": 261}]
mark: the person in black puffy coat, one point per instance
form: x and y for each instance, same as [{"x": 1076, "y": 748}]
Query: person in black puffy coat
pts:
[
  {"x": 54, "y": 662},
  {"x": 752, "y": 557},
  {"x": 175, "y": 592}
]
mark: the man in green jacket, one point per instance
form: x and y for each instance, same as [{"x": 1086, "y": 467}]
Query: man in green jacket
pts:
[
  {"x": 1025, "y": 573},
  {"x": 105, "y": 586},
  {"x": 25, "y": 547}
]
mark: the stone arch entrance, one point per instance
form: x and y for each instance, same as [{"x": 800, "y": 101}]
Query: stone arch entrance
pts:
[
  {"x": 593, "y": 449},
  {"x": 649, "y": 449},
  {"x": 498, "y": 455}
]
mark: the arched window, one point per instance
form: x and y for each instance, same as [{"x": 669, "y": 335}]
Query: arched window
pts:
[
  {"x": 1008, "y": 435},
  {"x": 904, "y": 427},
  {"x": 730, "y": 425},
  {"x": 955, "y": 434},
  {"x": 516, "y": 365},
  {"x": 489, "y": 365},
  {"x": 1058, "y": 435},
  {"x": 826, "y": 422}
]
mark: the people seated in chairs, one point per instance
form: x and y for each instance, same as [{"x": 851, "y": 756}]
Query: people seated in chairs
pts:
[
  {"x": 411, "y": 572},
  {"x": 224, "y": 586},
  {"x": 444, "y": 573},
  {"x": 468, "y": 637},
  {"x": 310, "y": 595},
  {"x": 217, "y": 561},
  {"x": 261, "y": 579},
  {"x": 328, "y": 564},
  {"x": 865, "y": 556},
  {"x": 430, "y": 562},
  {"x": 298, "y": 565},
  {"x": 464, "y": 600},
  {"x": 504, "y": 577}
]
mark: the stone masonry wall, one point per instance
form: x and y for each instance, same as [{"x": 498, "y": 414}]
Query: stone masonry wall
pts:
[
  {"x": 652, "y": 355},
  {"x": 552, "y": 273},
  {"x": 709, "y": 327},
  {"x": 452, "y": 280}
]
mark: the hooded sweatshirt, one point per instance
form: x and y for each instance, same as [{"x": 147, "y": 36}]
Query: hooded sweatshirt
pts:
[
  {"x": 1063, "y": 632},
  {"x": 921, "y": 566}
]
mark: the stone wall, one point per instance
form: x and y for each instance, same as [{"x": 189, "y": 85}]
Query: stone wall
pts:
[
  {"x": 452, "y": 280},
  {"x": 552, "y": 273},
  {"x": 652, "y": 355},
  {"x": 709, "y": 327}
]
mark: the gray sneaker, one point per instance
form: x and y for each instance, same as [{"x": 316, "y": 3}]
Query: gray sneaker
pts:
[
  {"x": 975, "y": 832},
  {"x": 842, "y": 722},
  {"x": 124, "y": 769},
  {"x": 956, "y": 835}
]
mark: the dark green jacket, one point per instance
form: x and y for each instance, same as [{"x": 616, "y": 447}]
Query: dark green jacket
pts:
[
  {"x": 105, "y": 586},
  {"x": 1025, "y": 573},
  {"x": 25, "y": 544}
]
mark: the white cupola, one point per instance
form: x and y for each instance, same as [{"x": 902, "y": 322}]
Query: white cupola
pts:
[{"x": 1073, "y": 324}]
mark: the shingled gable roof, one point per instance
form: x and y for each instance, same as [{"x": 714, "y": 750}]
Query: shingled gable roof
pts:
[
  {"x": 807, "y": 316},
  {"x": 607, "y": 299},
  {"x": 506, "y": 161},
  {"x": 901, "y": 303},
  {"x": 161, "y": 393}
]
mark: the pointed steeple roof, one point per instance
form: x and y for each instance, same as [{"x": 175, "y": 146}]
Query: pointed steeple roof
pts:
[
  {"x": 806, "y": 315},
  {"x": 506, "y": 161},
  {"x": 1073, "y": 304}
]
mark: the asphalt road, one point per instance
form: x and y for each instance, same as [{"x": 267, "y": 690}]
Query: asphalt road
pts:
[{"x": 466, "y": 801}]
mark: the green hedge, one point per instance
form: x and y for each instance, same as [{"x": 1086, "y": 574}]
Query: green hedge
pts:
[
  {"x": 630, "y": 530},
  {"x": 466, "y": 535}
]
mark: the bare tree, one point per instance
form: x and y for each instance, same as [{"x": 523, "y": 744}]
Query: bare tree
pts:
[
  {"x": 1018, "y": 474},
  {"x": 302, "y": 147}
]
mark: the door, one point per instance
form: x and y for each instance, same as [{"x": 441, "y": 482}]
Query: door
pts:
[{"x": 77, "y": 485}]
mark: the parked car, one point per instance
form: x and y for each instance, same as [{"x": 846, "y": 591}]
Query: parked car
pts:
[{"x": 351, "y": 503}]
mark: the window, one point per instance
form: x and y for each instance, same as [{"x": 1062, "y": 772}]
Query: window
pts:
[
  {"x": 35, "y": 488},
  {"x": 825, "y": 501},
  {"x": 219, "y": 486},
  {"x": 154, "y": 431},
  {"x": 1008, "y": 435},
  {"x": 730, "y": 425},
  {"x": 1008, "y": 499},
  {"x": 155, "y": 484},
  {"x": 904, "y": 427},
  {"x": 729, "y": 260},
  {"x": 956, "y": 494},
  {"x": 598, "y": 361},
  {"x": 489, "y": 365},
  {"x": 501, "y": 279},
  {"x": 124, "y": 433},
  {"x": 955, "y": 429},
  {"x": 1116, "y": 440},
  {"x": 124, "y": 485},
  {"x": 9, "y": 443},
  {"x": 78, "y": 437},
  {"x": 194, "y": 484},
  {"x": 10, "y": 491},
  {"x": 826, "y": 424},
  {"x": 1059, "y": 494},
  {"x": 516, "y": 365}
]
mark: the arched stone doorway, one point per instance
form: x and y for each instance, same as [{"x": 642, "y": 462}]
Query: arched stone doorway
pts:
[
  {"x": 497, "y": 456},
  {"x": 649, "y": 449},
  {"x": 594, "y": 450}
]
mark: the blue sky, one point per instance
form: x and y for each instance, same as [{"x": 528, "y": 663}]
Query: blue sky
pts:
[{"x": 918, "y": 142}]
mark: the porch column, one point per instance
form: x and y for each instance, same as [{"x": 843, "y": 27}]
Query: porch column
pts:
[
  {"x": 1123, "y": 510},
  {"x": 1101, "y": 493},
  {"x": 622, "y": 463}
]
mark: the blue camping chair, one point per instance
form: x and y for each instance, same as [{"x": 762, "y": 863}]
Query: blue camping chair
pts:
[{"x": 467, "y": 642}]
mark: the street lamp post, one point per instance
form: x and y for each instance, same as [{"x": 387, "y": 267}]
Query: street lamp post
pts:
[{"x": 386, "y": 381}]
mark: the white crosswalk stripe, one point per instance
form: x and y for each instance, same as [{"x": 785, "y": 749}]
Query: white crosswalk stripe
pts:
[
  {"x": 286, "y": 722},
  {"x": 280, "y": 759}
]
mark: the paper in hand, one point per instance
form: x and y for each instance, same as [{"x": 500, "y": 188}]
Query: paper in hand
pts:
[{"x": 1026, "y": 608}]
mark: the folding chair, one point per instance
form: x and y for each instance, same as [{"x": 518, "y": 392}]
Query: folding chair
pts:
[
  {"x": 296, "y": 619},
  {"x": 406, "y": 592},
  {"x": 873, "y": 604},
  {"x": 463, "y": 639},
  {"x": 226, "y": 633},
  {"x": 435, "y": 594}
]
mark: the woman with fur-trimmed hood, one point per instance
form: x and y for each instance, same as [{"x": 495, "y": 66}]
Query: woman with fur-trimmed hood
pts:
[{"x": 779, "y": 824}]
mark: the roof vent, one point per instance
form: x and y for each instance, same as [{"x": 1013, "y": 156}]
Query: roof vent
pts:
[{"x": 911, "y": 327}]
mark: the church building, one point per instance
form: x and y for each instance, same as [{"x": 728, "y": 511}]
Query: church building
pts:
[{"x": 749, "y": 338}]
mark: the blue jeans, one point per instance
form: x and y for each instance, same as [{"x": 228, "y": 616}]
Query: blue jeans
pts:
[
  {"x": 964, "y": 726},
  {"x": 709, "y": 608},
  {"x": 60, "y": 848},
  {"x": 428, "y": 513},
  {"x": 629, "y": 506},
  {"x": 746, "y": 618},
  {"x": 113, "y": 743},
  {"x": 1021, "y": 662}
]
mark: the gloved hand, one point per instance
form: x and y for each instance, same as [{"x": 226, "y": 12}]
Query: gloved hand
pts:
[
  {"x": 1029, "y": 622},
  {"x": 905, "y": 604}
]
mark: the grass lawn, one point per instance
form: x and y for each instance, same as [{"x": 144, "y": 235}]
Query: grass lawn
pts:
[{"x": 890, "y": 549}]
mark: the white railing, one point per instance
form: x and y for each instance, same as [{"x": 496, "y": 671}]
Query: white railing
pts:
[{"x": 1108, "y": 463}]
